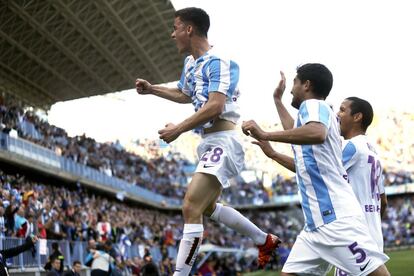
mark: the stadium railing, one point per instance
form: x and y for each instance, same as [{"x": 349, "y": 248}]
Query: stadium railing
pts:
[
  {"x": 71, "y": 250},
  {"x": 38, "y": 258},
  {"x": 49, "y": 158}
]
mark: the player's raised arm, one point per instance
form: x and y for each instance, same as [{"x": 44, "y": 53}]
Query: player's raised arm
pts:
[
  {"x": 284, "y": 160},
  {"x": 383, "y": 196},
  {"x": 285, "y": 117},
  {"x": 173, "y": 94}
]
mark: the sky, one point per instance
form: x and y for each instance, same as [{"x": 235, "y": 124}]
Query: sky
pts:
[{"x": 368, "y": 45}]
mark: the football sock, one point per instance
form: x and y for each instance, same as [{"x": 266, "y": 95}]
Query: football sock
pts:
[
  {"x": 236, "y": 221},
  {"x": 187, "y": 252}
]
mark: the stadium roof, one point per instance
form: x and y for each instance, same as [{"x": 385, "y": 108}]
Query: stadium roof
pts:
[{"x": 66, "y": 49}]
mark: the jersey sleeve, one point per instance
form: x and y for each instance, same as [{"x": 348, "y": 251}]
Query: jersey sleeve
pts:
[
  {"x": 223, "y": 76},
  {"x": 315, "y": 111},
  {"x": 182, "y": 84},
  {"x": 349, "y": 155}
]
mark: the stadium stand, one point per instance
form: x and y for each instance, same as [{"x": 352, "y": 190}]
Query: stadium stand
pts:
[{"x": 73, "y": 216}]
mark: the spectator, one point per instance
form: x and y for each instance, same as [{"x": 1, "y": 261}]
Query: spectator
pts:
[
  {"x": 76, "y": 269},
  {"x": 2, "y": 223},
  {"x": 41, "y": 228},
  {"x": 166, "y": 267},
  {"x": 136, "y": 265},
  {"x": 55, "y": 267},
  {"x": 98, "y": 260},
  {"x": 149, "y": 268},
  {"x": 103, "y": 227},
  {"x": 56, "y": 255},
  {"x": 54, "y": 229}
]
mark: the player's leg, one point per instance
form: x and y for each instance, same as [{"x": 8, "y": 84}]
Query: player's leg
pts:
[
  {"x": 236, "y": 221},
  {"x": 232, "y": 218},
  {"x": 380, "y": 271},
  {"x": 203, "y": 190},
  {"x": 224, "y": 158},
  {"x": 304, "y": 258}
]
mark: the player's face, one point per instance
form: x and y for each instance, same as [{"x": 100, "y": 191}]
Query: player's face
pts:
[
  {"x": 345, "y": 117},
  {"x": 298, "y": 93},
  {"x": 181, "y": 36}
]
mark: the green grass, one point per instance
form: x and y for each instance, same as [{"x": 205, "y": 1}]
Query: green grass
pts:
[{"x": 401, "y": 263}]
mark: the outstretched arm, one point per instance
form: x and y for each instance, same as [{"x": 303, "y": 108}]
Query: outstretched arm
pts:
[
  {"x": 309, "y": 134},
  {"x": 173, "y": 94},
  {"x": 284, "y": 160},
  {"x": 11, "y": 252},
  {"x": 285, "y": 117}
]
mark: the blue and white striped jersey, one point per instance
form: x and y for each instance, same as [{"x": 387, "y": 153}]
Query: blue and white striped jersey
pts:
[
  {"x": 207, "y": 74},
  {"x": 324, "y": 193},
  {"x": 365, "y": 176}
]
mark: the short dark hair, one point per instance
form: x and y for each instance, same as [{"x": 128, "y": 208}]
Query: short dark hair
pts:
[
  {"x": 76, "y": 262},
  {"x": 197, "y": 17},
  {"x": 53, "y": 259},
  {"x": 319, "y": 76},
  {"x": 362, "y": 106}
]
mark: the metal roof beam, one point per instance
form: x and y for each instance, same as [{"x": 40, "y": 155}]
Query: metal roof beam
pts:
[
  {"x": 40, "y": 28},
  {"x": 148, "y": 19},
  {"x": 70, "y": 16},
  {"x": 6, "y": 80},
  {"x": 130, "y": 39},
  {"x": 40, "y": 62},
  {"x": 35, "y": 85}
]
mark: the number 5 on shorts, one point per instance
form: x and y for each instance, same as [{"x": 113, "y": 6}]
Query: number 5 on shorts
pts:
[{"x": 355, "y": 250}]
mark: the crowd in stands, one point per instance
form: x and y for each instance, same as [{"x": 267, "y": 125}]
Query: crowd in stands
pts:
[
  {"x": 165, "y": 171},
  {"x": 398, "y": 224},
  {"x": 163, "y": 174},
  {"x": 58, "y": 212}
]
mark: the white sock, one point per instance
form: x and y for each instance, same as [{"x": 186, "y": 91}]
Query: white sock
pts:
[
  {"x": 236, "y": 221},
  {"x": 187, "y": 252}
]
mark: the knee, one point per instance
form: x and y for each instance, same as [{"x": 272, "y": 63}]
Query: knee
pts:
[
  {"x": 190, "y": 210},
  {"x": 385, "y": 271}
]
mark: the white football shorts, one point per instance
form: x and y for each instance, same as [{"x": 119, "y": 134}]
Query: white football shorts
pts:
[
  {"x": 344, "y": 243},
  {"x": 221, "y": 154}
]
